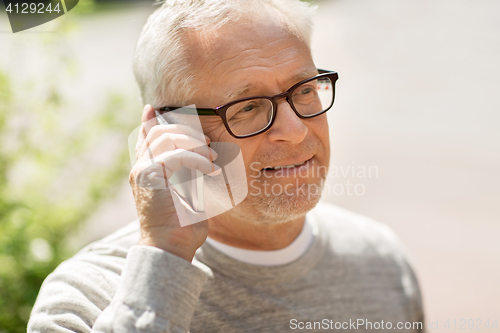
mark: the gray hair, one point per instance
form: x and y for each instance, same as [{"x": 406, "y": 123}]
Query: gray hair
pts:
[{"x": 160, "y": 67}]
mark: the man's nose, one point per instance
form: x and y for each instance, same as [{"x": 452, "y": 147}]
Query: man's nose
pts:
[{"x": 287, "y": 126}]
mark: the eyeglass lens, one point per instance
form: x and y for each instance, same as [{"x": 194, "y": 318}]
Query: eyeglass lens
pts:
[{"x": 251, "y": 116}]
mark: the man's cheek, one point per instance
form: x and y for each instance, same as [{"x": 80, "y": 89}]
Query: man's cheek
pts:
[
  {"x": 214, "y": 130},
  {"x": 319, "y": 122},
  {"x": 323, "y": 130}
]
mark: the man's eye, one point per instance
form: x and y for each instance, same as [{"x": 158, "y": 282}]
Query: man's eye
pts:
[
  {"x": 247, "y": 108},
  {"x": 305, "y": 91}
]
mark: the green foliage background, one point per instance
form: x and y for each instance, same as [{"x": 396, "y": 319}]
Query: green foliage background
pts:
[{"x": 50, "y": 179}]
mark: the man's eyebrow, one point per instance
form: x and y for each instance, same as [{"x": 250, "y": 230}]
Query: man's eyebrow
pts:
[
  {"x": 236, "y": 94},
  {"x": 304, "y": 75}
]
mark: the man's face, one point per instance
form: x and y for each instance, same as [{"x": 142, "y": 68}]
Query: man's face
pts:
[{"x": 252, "y": 58}]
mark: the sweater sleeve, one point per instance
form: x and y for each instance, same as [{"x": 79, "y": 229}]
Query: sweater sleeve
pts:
[{"x": 154, "y": 291}]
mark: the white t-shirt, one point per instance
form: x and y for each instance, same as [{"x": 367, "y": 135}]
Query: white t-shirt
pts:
[{"x": 270, "y": 258}]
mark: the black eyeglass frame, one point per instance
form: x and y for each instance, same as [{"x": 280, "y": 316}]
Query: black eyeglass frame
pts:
[{"x": 221, "y": 110}]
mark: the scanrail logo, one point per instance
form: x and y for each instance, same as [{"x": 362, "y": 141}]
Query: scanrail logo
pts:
[{"x": 26, "y": 14}]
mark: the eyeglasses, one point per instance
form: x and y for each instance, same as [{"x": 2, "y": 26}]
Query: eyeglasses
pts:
[{"x": 250, "y": 116}]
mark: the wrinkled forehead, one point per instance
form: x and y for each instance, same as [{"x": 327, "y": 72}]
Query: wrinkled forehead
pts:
[
  {"x": 247, "y": 52},
  {"x": 253, "y": 31}
]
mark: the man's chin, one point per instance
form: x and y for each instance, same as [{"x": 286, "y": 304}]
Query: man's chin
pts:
[
  {"x": 274, "y": 209},
  {"x": 272, "y": 204}
]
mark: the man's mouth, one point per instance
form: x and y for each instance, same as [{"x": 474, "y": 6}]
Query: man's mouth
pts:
[
  {"x": 289, "y": 166},
  {"x": 285, "y": 166}
]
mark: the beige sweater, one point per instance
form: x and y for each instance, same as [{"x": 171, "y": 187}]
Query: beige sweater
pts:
[{"x": 354, "y": 277}]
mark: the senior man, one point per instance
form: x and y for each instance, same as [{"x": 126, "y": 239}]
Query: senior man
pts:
[{"x": 276, "y": 261}]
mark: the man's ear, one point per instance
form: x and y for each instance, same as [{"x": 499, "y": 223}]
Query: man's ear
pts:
[
  {"x": 148, "y": 113},
  {"x": 147, "y": 122}
]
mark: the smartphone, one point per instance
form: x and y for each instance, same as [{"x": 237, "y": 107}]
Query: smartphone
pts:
[{"x": 187, "y": 184}]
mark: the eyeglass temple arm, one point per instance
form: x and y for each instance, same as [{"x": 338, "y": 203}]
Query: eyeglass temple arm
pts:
[{"x": 190, "y": 110}]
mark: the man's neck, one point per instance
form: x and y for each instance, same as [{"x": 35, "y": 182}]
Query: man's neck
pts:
[{"x": 254, "y": 236}]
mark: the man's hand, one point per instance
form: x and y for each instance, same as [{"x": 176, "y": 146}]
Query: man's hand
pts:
[{"x": 161, "y": 150}]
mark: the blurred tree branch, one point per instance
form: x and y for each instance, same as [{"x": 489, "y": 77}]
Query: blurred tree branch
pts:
[{"x": 52, "y": 176}]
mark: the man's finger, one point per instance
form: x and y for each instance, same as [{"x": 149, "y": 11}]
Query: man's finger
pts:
[
  {"x": 167, "y": 163},
  {"x": 155, "y": 132},
  {"x": 172, "y": 141}
]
